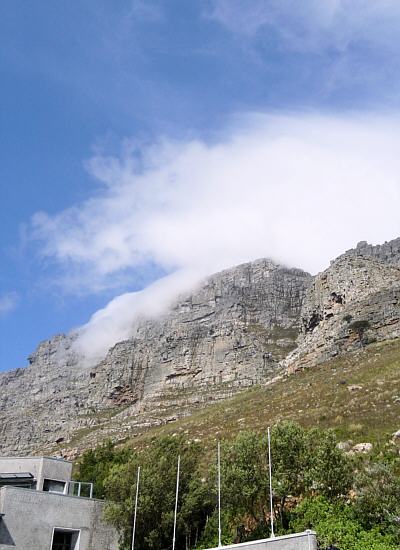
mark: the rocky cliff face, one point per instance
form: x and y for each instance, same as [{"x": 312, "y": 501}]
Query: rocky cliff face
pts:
[
  {"x": 388, "y": 252},
  {"x": 230, "y": 334},
  {"x": 352, "y": 303},
  {"x": 242, "y": 327}
]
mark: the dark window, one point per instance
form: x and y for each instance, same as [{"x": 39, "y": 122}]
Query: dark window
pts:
[
  {"x": 53, "y": 486},
  {"x": 17, "y": 479},
  {"x": 64, "y": 539}
]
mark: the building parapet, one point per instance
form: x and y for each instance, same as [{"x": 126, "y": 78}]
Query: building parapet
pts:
[{"x": 297, "y": 541}]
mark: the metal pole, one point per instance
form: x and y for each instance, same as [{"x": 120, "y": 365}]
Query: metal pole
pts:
[
  {"x": 219, "y": 495},
  {"x": 270, "y": 485},
  {"x": 136, "y": 506},
  {"x": 176, "y": 501}
]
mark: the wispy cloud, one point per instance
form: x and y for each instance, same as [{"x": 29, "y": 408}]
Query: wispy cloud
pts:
[
  {"x": 312, "y": 24},
  {"x": 299, "y": 189},
  {"x": 146, "y": 10},
  {"x": 118, "y": 320},
  {"x": 8, "y": 302}
]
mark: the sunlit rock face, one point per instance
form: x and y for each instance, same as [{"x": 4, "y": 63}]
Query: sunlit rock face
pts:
[
  {"x": 352, "y": 303},
  {"x": 229, "y": 334},
  {"x": 244, "y": 326}
]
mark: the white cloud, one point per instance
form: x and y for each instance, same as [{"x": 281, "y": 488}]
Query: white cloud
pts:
[
  {"x": 118, "y": 320},
  {"x": 300, "y": 189},
  {"x": 314, "y": 24},
  {"x": 144, "y": 10},
  {"x": 8, "y": 302}
]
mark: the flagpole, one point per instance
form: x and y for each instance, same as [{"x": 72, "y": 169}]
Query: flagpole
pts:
[
  {"x": 136, "y": 506},
  {"x": 219, "y": 496},
  {"x": 270, "y": 485},
  {"x": 176, "y": 501}
]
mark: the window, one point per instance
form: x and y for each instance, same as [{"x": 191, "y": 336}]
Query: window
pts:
[
  {"x": 18, "y": 479},
  {"x": 65, "y": 539},
  {"x": 54, "y": 486}
]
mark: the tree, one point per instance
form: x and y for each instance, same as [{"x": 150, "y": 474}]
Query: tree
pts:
[
  {"x": 337, "y": 527},
  {"x": 330, "y": 473},
  {"x": 245, "y": 481},
  {"x": 378, "y": 498},
  {"x": 311, "y": 481},
  {"x": 290, "y": 461},
  {"x": 95, "y": 465},
  {"x": 245, "y": 475},
  {"x": 157, "y": 496},
  {"x": 359, "y": 327}
]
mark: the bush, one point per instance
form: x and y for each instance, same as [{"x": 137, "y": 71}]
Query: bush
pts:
[
  {"x": 336, "y": 525},
  {"x": 312, "y": 481},
  {"x": 156, "y": 504},
  {"x": 378, "y": 499},
  {"x": 330, "y": 470},
  {"x": 95, "y": 465},
  {"x": 359, "y": 327}
]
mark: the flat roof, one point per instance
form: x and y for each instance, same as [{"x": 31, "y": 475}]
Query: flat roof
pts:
[
  {"x": 35, "y": 458},
  {"x": 16, "y": 475}
]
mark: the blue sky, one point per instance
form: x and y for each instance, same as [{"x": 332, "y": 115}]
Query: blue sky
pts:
[{"x": 99, "y": 99}]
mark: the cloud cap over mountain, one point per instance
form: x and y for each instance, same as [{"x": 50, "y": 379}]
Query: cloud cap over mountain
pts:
[{"x": 299, "y": 189}]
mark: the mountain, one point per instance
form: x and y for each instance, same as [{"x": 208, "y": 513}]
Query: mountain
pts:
[
  {"x": 246, "y": 326},
  {"x": 229, "y": 334},
  {"x": 355, "y": 301}
]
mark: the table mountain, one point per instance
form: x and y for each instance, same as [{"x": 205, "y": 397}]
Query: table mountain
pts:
[
  {"x": 229, "y": 334},
  {"x": 242, "y": 327}
]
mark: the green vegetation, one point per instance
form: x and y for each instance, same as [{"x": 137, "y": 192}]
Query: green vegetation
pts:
[
  {"x": 95, "y": 465},
  {"x": 352, "y": 502},
  {"x": 337, "y": 524},
  {"x": 359, "y": 327},
  {"x": 320, "y": 396}
]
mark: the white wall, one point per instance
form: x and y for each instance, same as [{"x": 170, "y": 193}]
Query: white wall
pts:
[
  {"x": 40, "y": 467},
  {"x": 30, "y": 517}
]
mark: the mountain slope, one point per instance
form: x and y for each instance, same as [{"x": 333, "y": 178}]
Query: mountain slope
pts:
[
  {"x": 247, "y": 326},
  {"x": 354, "y": 302},
  {"x": 229, "y": 334},
  {"x": 357, "y": 395}
]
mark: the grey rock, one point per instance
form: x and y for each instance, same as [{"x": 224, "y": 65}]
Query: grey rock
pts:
[
  {"x": 345, "y": 446},
  {"x": 244, "y": 326},
  {"x": 396, "y": 437},
  {"x": 357, "y": 287},
  {"x": 354, "y": 387},
  {"x": 361, "y": 448},
  {"x": 228, "y": 335},
  {"x": 388, "y": 252}
]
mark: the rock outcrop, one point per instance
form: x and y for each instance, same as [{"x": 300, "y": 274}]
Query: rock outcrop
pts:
[
  {"x": 230, "y": 334},
  {"x": 388, "y": 252},
  {"x": 352, "y": 303},
  {"x": 244, "y": 326}
]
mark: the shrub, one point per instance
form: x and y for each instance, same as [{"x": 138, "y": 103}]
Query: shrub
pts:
[{"x": 336, "y": 525}]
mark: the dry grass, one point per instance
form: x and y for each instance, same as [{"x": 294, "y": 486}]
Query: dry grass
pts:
[{"x": 320, "y": 396}]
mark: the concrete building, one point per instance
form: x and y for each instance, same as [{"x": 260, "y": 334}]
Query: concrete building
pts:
[
  {"x": 299, "y": 541},
  {"x": 42, "y": 508}
]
